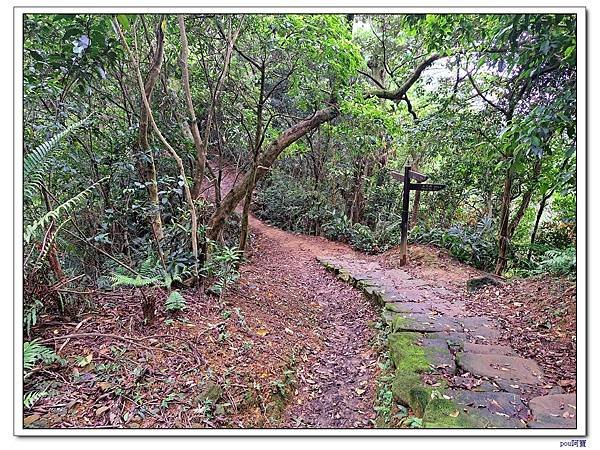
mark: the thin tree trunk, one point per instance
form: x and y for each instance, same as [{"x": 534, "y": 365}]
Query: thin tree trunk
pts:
[
  {"x": 175, "y": 156},
  {"x": 504, "y": 217},
  {"x": 193, "y": 122},
  {"x": 536, "y": 225},
  {"x": 201, "y": 154},
  {"x": 147, "y": 169},
  {"x": 245, "y": 214}
]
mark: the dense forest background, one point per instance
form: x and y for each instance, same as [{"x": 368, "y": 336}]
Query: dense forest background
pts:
[{"x": 315, "y": 112}]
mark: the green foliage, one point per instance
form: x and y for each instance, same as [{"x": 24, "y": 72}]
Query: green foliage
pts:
[
  {"x": 338, "y": 227},
  {"x": 35, "y": 162},
  {"x": 558, "y": 262},
  {"x": 34, "y": 352},
  {"x": 222, "y": 266},
  {"x": 557, "y": 234},
  {"x": 473, "y": 245},
  {"x": 64, "y": 208},
  {"x": 175, "y": 302},
  {"x": 31, "y": 398},
  {"x": 137, "y": 282},
  {"x": 289, "y": 204},
  {"x": 31, "y": 315}
]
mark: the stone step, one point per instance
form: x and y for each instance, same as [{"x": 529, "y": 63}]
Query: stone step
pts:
[
  {"x": 492, "y": 409},
  {"x": 509, "y": 368},
  {"x": 484, "y": 349},
  {"x": 554, "y": 411},
  {"x": 423, "y": 323},
  {"x": 438, "y": 353}
]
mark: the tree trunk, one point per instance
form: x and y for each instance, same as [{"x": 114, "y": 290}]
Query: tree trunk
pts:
[
  {"x": 268, "y": 157},
  {"x": 174, "y": 155},
  {"x": 245, "y": 214},
  {"x": 147, "y": 169},
  {"x": 503, "y": 231},
  {"x": 203, "y": 146},
  {"x": 193, "y": 122},
  {"x": 508, "y": 228},
  {"x": 536, "y": 225}
]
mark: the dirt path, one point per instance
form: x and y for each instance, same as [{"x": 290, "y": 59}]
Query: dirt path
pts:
[{"x": 336, "y": 383}]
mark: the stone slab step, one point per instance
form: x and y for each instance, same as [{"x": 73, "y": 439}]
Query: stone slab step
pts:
[
  {"x": 492, "y": 409},
  {"x": 554, "y": 411},
  {"x": 484, "y": 349},
  {"x": 438, "y": 353},
  {"x": 509, "y": 368},
  {"x": 423, "y": 323}
]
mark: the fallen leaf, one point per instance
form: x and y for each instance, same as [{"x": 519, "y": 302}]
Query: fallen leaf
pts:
[
  {"x": 454, "y": 414},
  {"x": 105, "y": 385},
  {"x": 359, "y": 391},
  {"x": 262, "y": 332},
  {"x": 85, "y": 361},
  {"x": 30, "y": 419},
  {"x": 102, "y": 410}
]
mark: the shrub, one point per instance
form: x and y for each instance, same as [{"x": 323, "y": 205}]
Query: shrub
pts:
[
  {"x": 289, "y": 204},
  {"x": 338, "y": 227},
  {"x": 558, "y": 262},
  {"x": 473, "y": 245}
]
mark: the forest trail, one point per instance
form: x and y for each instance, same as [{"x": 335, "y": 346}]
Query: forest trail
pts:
[
  {"x": 336, "y": 381},
  {"x": 290, "y": 344},
  {"x": 336, "y": 388}
]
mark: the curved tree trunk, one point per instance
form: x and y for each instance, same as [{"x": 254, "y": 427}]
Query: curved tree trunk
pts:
[{"x": 285, "y": 139}]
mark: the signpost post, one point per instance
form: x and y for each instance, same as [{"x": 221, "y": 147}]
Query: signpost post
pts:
[{"x": 408, "y": 186}]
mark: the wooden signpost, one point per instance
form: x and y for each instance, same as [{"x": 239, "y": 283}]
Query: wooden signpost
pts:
[{"x": 408, "y": 186}]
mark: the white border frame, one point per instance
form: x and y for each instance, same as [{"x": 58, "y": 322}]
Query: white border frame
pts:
[{"x": 316, "y": 7}]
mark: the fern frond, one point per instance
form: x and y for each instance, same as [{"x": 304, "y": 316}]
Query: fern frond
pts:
[
  {"x": 175, "y": 302},
  {"x": 150, "y": 268},
  {"x": 46, "y": 246},
  {"x": 33, "y": 352},
  {"x": 35, "y": 163},
  {"x": 118, "y": 279},
  {"x": 30, "y": 317},
  {"x": 31, "y": 398},
  {"x": 65, "y": 207}
]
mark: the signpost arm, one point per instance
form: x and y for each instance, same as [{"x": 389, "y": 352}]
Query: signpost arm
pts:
[{"x": 404, "y": 224}]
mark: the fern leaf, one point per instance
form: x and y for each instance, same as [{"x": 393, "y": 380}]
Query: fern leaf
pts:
[
  {"x": 65, "y": 207},
  {"x": 31, "y": 398},
  {"x": 35, "y": 163},
  {"x": 118, "y": 279},
  {"x": 33, "y": 352},
  {"x": 175, "y": 302}
]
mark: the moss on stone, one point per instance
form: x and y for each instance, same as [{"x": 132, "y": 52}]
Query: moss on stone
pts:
[
  {"x": 344, "y": 275},
  {"x": 443, "y": 413},
  {"x": 408, "y": 390},
  {"x": 406, "y": 355}
]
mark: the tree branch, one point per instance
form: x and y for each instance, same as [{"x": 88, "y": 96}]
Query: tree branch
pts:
[{"x": 399, "y": 93}]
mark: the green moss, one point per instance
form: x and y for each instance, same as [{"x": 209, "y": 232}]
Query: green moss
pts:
[
  {"x": 403, "y": 384},
  {"x": 443, "y": 413},
  {"x": 344, "y": 275},
  {"x": 419, "y": 399},
  {"x": 406, "y": 355}
]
